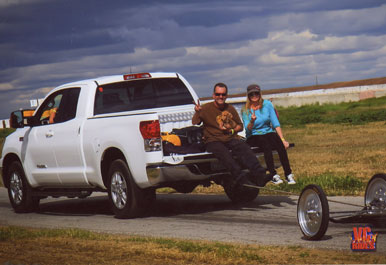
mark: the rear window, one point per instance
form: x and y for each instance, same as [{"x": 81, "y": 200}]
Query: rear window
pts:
[{"x": 141, "y": 94}]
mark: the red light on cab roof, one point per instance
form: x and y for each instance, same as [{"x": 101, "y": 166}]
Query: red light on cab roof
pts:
[{"x": 136, "y": 76}]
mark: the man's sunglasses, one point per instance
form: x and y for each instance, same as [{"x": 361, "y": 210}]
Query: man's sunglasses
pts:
[
  {"x": 254, "y": 94},
  {"x": 220, "y": 94}
]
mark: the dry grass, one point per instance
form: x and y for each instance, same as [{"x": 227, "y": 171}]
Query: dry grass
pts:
[
  {"x": 357, "y": 151},
  {"x": 354, "y": 150},
  {"x": 339, "y": 150},
  {"x": 118, "y": 249}
]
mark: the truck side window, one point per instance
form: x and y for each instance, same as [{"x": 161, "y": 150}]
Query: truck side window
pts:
[
  {"x": 69, "y": 105},
  {"x": 59, "y": 107},
  {"x": 49, "y": 108}
]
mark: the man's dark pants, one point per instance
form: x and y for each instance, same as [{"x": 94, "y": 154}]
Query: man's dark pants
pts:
[{"x": 243, "y": 153}]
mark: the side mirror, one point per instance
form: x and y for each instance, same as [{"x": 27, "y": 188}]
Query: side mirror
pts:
[{"x": 20, "y": 118}]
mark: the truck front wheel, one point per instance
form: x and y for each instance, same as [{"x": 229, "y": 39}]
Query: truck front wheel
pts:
[
  {"x": 125, "y": 196},
  {"x": 19, "y": 190}
]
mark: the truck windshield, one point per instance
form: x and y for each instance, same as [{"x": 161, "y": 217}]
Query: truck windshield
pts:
[{"x": 141, "y": 94}]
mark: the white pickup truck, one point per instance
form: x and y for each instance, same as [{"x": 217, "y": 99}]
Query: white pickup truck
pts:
[{"x": 104, "y": 134}]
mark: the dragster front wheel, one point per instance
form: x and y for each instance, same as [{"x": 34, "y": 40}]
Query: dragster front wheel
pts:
[
  {"x": 376, "y": 190},
  {"x": 313, "y": 212}
]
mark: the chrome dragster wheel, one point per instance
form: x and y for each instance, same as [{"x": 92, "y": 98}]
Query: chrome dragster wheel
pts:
[
  {"x": 375, "y": 195},
  {"x": 313, "y": 212}
]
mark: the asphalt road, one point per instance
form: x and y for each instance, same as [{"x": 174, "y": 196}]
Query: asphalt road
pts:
[{"x": 269, "y": 220}]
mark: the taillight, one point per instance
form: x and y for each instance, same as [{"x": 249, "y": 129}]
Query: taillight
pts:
[
  {"x": 136, "y": 76},
  {"x": 150, "y": 131}
]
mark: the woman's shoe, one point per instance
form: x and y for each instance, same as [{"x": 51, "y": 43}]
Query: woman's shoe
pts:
[
  {"x": 290, "y": 179},
  {"x": 276, "y": 180}
]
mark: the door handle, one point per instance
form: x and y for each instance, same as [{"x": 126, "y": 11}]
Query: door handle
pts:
[{"x": 49, "y": 134}]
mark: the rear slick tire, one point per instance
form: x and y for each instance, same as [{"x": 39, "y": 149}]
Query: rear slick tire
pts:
[{"x": 240, "y": 193}]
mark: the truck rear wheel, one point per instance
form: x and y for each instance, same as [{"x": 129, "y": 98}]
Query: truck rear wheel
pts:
[
  {"x": 19, "y": 190},
  {"x": 126, "y": 198}
]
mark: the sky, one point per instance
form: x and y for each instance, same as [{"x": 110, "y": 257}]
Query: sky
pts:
[{"x": 274, "y": 43}]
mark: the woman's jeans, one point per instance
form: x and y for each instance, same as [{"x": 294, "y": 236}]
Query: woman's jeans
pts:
[{"x": 269, "y": 142}]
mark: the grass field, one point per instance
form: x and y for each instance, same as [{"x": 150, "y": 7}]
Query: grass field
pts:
[
  {"x": 341, "y": 155},
  {"x": 74, "y": 246}
]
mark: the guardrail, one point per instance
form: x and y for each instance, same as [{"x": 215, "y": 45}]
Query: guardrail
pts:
[
  {"x": 4, "y": 124},
  {"x": 321, "y": 96}
]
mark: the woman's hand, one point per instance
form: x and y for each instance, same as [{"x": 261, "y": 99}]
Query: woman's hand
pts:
[
  {"x": 253, "y": 117},
  {"x": 285, "y": 143}
]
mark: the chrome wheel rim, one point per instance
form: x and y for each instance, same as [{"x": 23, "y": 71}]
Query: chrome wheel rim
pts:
[
  {"x": 376, "y": 191},
  {"x": 118, "y": 190},
  {"x": 310, "y": 213},
  {"x": 16, "y": 188}
]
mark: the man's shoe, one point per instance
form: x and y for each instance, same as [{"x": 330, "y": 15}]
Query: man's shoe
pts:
[
  {"x": 246, "y": 181},
  {"x": 243, "y": 180},
  {"x": 290, "y": 179},
  {"x": 263, "y": 180},
  {"x": 276, "y": 180}
]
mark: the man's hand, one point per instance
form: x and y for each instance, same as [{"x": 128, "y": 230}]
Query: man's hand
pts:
[
  {"x": 196, "y": 117},
  {"x": 235, "y": 130},
  {"x": 197, "y": 107}
]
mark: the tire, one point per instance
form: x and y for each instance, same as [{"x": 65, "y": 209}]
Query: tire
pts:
[
  {"x": 376, "y": 189},
  {"x": 126, "y": 198},
  {"x": 150, "y": 196},
  {"x": 313, "y": 212},
  {"x": 240, "y": 194},
  {"x": 19, "y": 190}
]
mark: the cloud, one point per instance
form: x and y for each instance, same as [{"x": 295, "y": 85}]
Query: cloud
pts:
[
  {"x": 342, "y": 22},
  {"x": 9, "y": 3},
  {"x": 275, "y": 43},
  {"x": 6, "y": 86}
]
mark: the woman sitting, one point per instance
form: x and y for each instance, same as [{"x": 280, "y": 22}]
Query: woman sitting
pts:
[{"x": 259, "y": 119}]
